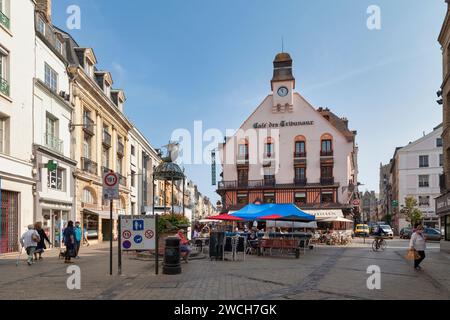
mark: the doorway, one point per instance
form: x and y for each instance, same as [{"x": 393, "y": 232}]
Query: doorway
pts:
[{"x": 106, "y": 225}]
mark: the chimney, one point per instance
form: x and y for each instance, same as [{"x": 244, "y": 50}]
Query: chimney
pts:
[{"x": 45, "y": 6}]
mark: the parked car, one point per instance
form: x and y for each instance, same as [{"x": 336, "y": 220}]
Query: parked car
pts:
[
  {"x": 406, "y": 233},
  {"x": 387, "y": 230},
  {"x": 432, "y": 234},
  {"x": 362, "y": 230}
]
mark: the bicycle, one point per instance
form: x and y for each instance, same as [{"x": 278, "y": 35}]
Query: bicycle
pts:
[{"x": 379, "y": 244}]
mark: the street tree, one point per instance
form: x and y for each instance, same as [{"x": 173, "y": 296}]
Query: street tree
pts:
[{"x": 411, "y": 211}]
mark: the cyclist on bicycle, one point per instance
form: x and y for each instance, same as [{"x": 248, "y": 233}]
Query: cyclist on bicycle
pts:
[{"x": 379, "y": 234}]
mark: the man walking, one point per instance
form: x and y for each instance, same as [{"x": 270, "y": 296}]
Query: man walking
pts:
[
  {"x": 29, "y": 241},
  {"x": 78, "y": 237}
]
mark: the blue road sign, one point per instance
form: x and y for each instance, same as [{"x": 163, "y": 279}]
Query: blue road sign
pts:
[
  {"x": 138, "y": 225},
  {"x": 137, "y": 239},
  {"x": 127, "y": 244}
]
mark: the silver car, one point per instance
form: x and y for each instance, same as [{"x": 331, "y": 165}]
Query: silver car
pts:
[{"x": 387, "y": 230}]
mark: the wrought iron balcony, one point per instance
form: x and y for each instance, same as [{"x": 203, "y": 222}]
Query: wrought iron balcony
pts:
[
  {"x": 88, "y": 125},
  {"x": 89, "y": 166},
  {"x": 298, "y": 155},
  {"x": 327, "y": 181},
  {"x": 269, "y": 182},
  {"x": 106, "y": 169},
  {"x": 227, "y": 185},
  {"x": 4, "y": 20},
  {"x": 326, "y": 153},
  {"x": 120, "y": 148},
  {"x": 106, "y": 139},
  {"x": 4, "y": 86},
  {"x": 300, "y": 181},
  {"x": 54, "y": 143}
]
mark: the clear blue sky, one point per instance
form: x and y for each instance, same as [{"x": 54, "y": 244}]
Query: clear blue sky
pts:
[{"x": 180, "y": 61}]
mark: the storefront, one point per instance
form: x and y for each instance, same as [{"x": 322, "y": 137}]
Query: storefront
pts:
[
  {"x": 9, "y": 221},
  {"x": 443, "y": 210},
  {"x": 54, "y": 222},
  {"x": 98, "y": 224}
]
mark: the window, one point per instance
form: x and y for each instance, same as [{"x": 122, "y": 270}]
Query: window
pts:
[
  {"x": 242, "y": 198},
  {"x": 119, "y": 165},
  {"x": 105, "y": 157},
  {"x": 326, "y": 172},
  {"x": 59, "y": 46},
  {"x": 55, "y": 179},
  {"x": 424, "y": 181},
  {"x": 4, "y": 72},
  {"x": 326, "y": 197},
  {"x": 3, "y": 135},
  {"x": 243, "y": 150},
  {"x": 326, "y": 145},
  {"x": 41, "y": 26},
  {"x": 300, "y": 197},
  {"x": 242, "y": 176},
  {"x": 441, "y": 160},
  {"x": 133, "y": 180},
  {"x": 439, "y": 142},
  {"x": 269, "y": 197},
  {"x": 268, "y": 147},
  {"x": 423, "y": 162},
  {"x": 424, "y": 201},
  {"x": 87, "y": 146},
  {"x": 300, "y": 148},
  {"x": 51, "y": 78},
  {"x": 133, "y": 151},
  {"x": 88, "y": 197},
  {"x": 300, "y": 174}
]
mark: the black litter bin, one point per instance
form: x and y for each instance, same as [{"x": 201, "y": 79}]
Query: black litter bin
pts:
[
  {"x": 172, "y": 255},
  {"x": 216, "y": 240}
]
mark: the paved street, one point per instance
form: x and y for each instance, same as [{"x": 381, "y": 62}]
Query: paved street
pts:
[{"x": 326, "y": 273}]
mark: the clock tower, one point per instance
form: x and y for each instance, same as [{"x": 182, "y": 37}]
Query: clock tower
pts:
[{"x": 283, "y": 84}]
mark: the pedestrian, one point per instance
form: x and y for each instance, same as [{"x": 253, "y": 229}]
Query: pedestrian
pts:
[
  {"x": 418, "y": 244},
  {"x": 40, "y": 248},
  {"x": 85, "y": 236},
  {"x": 69, "y": 241},
  {"x": 184, "y": 245},
  {"x": 78, "y": 237},
  {"x": 29, "y": 241}
]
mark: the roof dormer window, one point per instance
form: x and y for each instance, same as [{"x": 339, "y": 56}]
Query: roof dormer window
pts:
[
  {"x": 41, "y": 26},
  {"x": 59, "y": 46},
  {"x": 108, "y": 90}
]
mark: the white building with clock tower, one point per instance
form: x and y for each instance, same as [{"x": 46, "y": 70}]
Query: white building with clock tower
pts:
[{"x": 287, "y": 151}]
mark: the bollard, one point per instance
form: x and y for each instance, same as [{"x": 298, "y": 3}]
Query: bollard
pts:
[{"x": 172, "y": 254}]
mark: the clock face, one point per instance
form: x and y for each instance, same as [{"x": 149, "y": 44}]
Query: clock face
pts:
[{"x": 283, "y": 91}]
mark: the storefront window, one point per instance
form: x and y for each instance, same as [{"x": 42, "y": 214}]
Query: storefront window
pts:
[
  {"x": 269, "y": 197},
  {"x": 242, "y": 198},
  {"x": 90, "y": 223}
]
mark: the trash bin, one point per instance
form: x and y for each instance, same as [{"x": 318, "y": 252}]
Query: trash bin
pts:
[
  {"x": 216, "y": 241},
  {"x": 172, "y": 255}
]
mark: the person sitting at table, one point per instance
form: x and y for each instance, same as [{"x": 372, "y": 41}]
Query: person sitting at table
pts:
[
  {"x": 253, "y": 239},
  {"x": 184, "y": 245}
]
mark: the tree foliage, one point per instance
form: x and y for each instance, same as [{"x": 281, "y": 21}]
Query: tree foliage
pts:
[
  {"x": 172, "y": 222},
  {"x": 412, "y": 212}
]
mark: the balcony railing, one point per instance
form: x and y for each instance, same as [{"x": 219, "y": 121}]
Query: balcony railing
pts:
[
  {"x": 120, "y": 148},
  {"x": 269, "y": 182},
  {"x": 89, "y": 166},
  {"x": 299, "y": 154},
  {"x": 300, "y": 182},
  {"x": 4, "y": 20},
  {"x": 54, "y": 143},
  {"x": 326, "y": 153},
  {"x": 242, "y": 159},
  {"x": 106, "y": 169},
  {"x": 106, "y": 139},
  {"x": 4, "y": 86},
  {"x": 88, "y": 125},
  {"x": 327, "y": 181}
]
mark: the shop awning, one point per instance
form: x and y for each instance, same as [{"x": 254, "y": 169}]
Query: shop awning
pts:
[
  {"x": 101, "y": 214},
  {"x": 321, "y": 215},
  {"x": 338, "y": 219}
]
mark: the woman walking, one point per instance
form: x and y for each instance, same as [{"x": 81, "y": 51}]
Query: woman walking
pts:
[
  {"x": 41, "y": 244},
  {"x": 69, "y": 241},
  {"x": 418, "y": 244}
]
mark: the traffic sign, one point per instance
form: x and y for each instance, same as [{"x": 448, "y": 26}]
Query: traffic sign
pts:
[
  {"x": 139, "y": 233},
  {"x": 356, "y": 202},
  {"x": 110, "y": 186}
]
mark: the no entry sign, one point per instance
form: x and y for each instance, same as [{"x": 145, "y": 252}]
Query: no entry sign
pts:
[
  {"x": 138, "y": 233},
  {"x": 110, "y": 186}
]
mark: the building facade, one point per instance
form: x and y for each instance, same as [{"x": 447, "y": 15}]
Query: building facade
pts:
[
  {"x": 369, "y": 206},
  {"x": 416, "y": 171},
  {"x": 52, "y": 114},
  {"x": 385, "y": 192},
  {"x": 100, "y": 141},
  {"x": 17, "y": 45},
  {"x": 287, "y": 151},
  {"x": 443, "y": 202}
]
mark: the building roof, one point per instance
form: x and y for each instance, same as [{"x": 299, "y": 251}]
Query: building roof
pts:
[{"x": 340, "y": 124}]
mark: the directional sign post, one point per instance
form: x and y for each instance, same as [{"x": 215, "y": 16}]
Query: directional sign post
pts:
[
  {"x": 138, "y": 233},
  {"x": 110, "y": 192}
]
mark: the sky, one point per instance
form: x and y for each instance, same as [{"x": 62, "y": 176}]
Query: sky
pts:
[{"x": 199, "y": 60}]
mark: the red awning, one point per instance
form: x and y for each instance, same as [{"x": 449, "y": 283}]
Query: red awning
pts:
[
  {"x": 225, "y": 217},
  {"x": 271, "y": 217}
]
